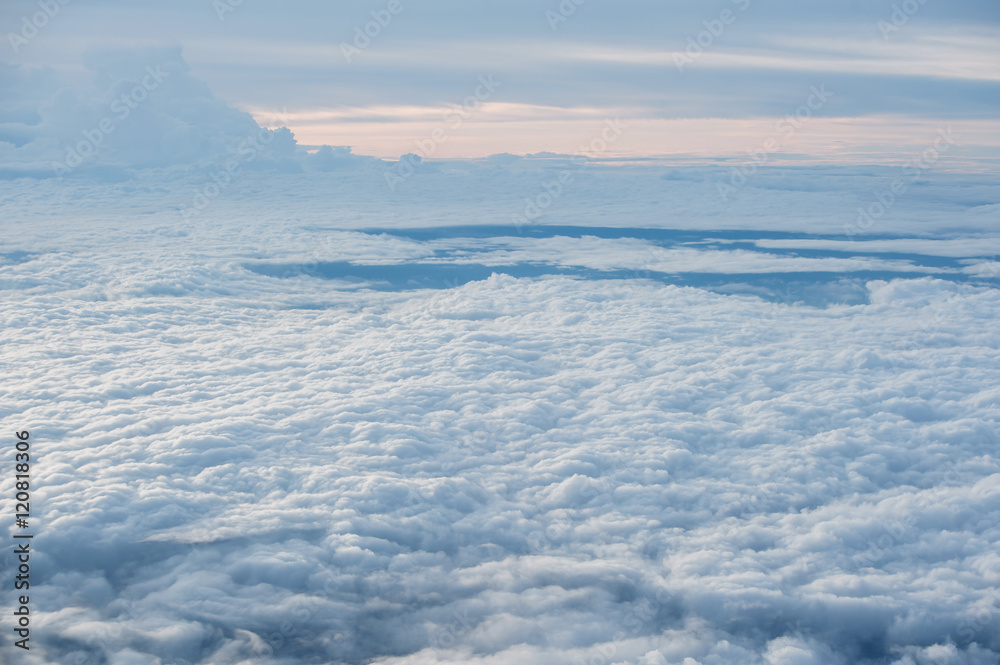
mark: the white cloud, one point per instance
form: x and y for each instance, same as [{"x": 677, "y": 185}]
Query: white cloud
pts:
[
  {"x": 142, "y": 109},
  {"x": 512, "y": 470},
  {"x": 248, "y": 468}
]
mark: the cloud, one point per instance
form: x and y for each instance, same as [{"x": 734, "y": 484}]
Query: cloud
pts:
[
  {"x": 141, "y": 109},
  {"x": 240, "y": 466},
  {"x": 534, "y": 409},
  {"x": 757, "y": 65}
]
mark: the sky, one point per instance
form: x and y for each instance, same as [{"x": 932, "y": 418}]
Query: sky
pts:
[
  {"x": 685, "y": 78},
  {"x": 333, "y": 350}
]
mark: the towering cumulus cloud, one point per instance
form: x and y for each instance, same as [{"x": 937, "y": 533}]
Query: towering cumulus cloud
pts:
[{"x": 136, "y": 110}]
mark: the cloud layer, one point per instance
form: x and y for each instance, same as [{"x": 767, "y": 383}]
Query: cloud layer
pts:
[
  {"x": 243, "y": 468},
  {"x": 247, "y": 459}
]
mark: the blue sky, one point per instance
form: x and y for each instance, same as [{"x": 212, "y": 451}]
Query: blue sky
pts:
[{"x": 896, "y": 71}]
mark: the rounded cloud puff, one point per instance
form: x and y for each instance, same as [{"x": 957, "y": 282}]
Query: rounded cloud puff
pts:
[{"x": 241, "y": 466}]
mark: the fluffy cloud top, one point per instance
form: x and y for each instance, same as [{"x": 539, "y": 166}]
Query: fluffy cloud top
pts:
[
  {"x": 241, "y": 468},
  {"x": 137, "y": 110}
]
